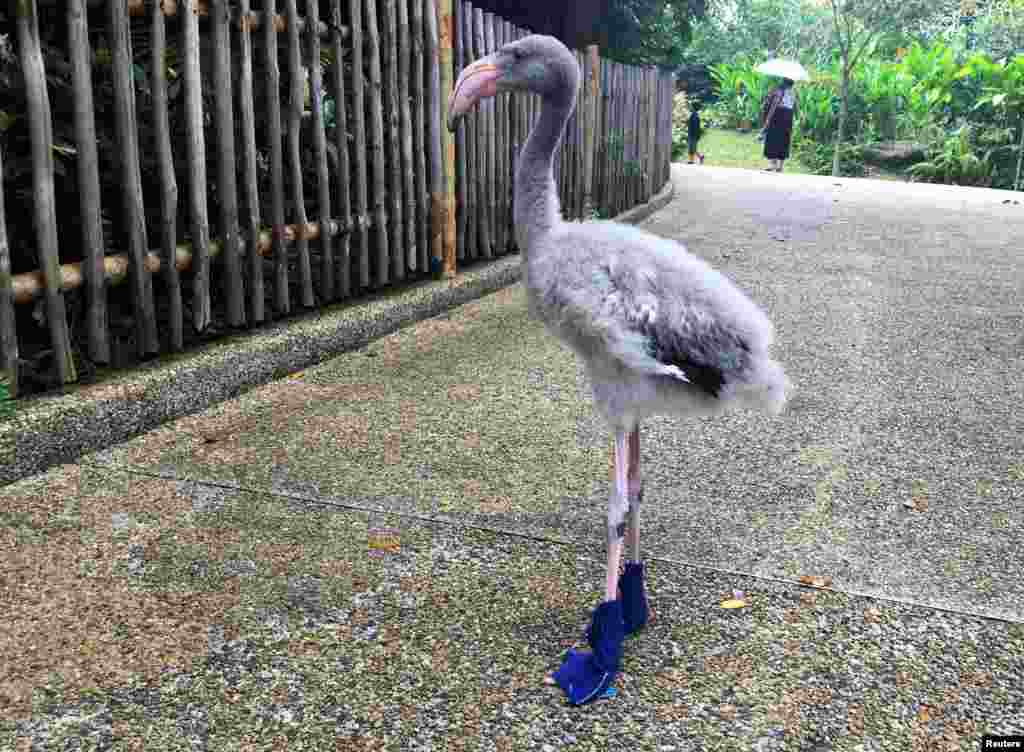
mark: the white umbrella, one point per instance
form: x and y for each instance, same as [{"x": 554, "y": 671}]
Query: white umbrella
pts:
[{"x": 790, "y": 69}]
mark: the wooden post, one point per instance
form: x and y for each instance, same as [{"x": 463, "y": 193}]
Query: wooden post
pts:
[
  {"x": 362, "y": 203},
  {"x": 296, "y": 104},
  {"x": 421, "y": 198},
  {"x": 376, "y": 144},
  {"x": 282, "y": 295},
  {"x": 405, "y": 115},
  {"x": 257, "y": 313},
  {"x": 226, "y": 181},
  {"x": 436, "y": 100},
  {"x": 446, "y": 26},
  {"x": 323, "y": 186},
  {"x": 127, "y": 131},
  {"x": 196, "y": 154},
  {"x": 89, "y": 179},
  {"x": 469, "y": 125},
  {"x": 392, "y": 104},
  {"x": 483, "y": 205},
  {"x": 343, "y": 175},
  {"x": 459, "y": 14},
  {"x": 44, "y": 201},
  {"x": 8, "y": 334}
]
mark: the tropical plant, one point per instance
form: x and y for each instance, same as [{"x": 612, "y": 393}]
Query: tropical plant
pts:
[
  {"x": 1003, "y": 87},
  {"x": 741, "y": 91},
  {"x": 955, "y": 162}
]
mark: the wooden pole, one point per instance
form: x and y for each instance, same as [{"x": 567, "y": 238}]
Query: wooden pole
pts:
[
  {"x": 376, "y": 144},
  {"x": 459, "y": 54},
  {"x": 447, "y": 199},
  {"x": 126, "y": 126},
  {"x": 468, "y": 126},
  {"x": 8, "y": 334},
  {"x": 323, "y": 185},
  {"x": 392, "y": 105},
  {"x": 419, "y": 93},
  {"x": 257, "y": 314},
  {"x": 44, "y": 201},
  {"x": 29, "y": 286},
  {"x": 590, "y": 128},
  {"x": 408, "y": 191},
  {"x": 362, "y": 202},
  {"x": 483, "y": 202},
  {"x": 500, "y": 149},
  {"x": 89, "y": 178},
  {"x": 343, "y": 175},
  {"x": 434, "y": 117},
  {"x": 196, "y": 154},
  {"x": 282, "y": 294},
  {"x": 226, "y": 181},
  {"x": 296, "y": 104}
]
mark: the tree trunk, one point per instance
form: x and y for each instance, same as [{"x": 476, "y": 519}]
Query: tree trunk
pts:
[
  {"x": 844, "y": 95},
  {"x": 1020, "y": 155}
]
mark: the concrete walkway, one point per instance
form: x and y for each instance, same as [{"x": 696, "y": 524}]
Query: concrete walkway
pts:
[{"x": 391, "y": 549}]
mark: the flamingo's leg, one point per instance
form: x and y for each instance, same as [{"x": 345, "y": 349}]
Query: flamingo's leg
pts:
[{"x": 631, "y": 584}]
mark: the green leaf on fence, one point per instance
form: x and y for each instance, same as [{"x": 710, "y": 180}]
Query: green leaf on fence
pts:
[
  {"x": 7, "y": 119},
  {"x": 64, "y": 150}
]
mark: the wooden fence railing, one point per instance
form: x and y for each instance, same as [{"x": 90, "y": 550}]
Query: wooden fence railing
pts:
[{"x": 317, "y": 190}]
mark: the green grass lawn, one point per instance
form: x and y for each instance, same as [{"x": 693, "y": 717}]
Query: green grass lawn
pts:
[{"x": 728, "y": 148}]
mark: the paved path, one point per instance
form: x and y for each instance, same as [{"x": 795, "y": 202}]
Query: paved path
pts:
[{"x": 220, "y": 563}]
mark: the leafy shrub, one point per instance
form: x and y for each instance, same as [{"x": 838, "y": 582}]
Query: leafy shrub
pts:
[
  {"x": 817, "y": 157},
  {"x": 955, "y": 162}
]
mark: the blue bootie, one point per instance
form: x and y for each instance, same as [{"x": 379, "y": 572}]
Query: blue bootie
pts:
[
  {"x": 634, "y": 600},
  {"x": 586, "y": 676}
]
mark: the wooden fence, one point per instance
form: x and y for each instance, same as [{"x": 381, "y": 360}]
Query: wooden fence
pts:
[{"x": 237, "y": 248}]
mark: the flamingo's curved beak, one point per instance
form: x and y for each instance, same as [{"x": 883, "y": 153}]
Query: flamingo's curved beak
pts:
[{"x": 477, "y": 81}]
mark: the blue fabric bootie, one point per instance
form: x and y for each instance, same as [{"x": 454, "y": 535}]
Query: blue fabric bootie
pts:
[
  {"x": 634, "y": 600},
  {"x": 586, "y": 676}
]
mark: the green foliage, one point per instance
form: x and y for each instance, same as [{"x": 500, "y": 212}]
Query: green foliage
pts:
[
  {"x": 741, "y": 91},
  {"x": 648, "y": 32},
  {"x": 817, "y": 158},
  {"x": 955, "y": 162}
]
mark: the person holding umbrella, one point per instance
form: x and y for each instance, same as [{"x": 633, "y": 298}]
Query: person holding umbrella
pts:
[{"x": 779, "y": 109}]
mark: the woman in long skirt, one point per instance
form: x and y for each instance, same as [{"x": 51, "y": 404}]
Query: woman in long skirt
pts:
[{"x": 777, "y": 120}]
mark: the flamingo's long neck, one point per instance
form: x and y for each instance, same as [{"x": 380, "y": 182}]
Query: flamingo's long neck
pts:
[{"x": 536, "y": 209}]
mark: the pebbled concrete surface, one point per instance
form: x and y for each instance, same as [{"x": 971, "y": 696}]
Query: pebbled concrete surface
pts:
[{"x": 389, "y": 549}]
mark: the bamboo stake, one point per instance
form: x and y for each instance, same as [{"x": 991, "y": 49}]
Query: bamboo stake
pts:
[
  {"x": 8, "y": 334},
  {"x": 422, "y": 199},
  {"x": 438, "y": 90},
  {"x": 282, "y": 293},
  {"x": 405, "y": 118},
  {"x": 652, "y": 131},
  {"x": 226, "y": 166},
  {"x": 146, "y": 340},
  {"x": 257, "y": 314},
  {"x": 29, "y": 286},
  {"x": 460, "y": 138},
  {"x": 296, "y": 104},
  {"x": 393, "y": 137},
  {"x": 343, "y": 175},
  {"x": 168, "y": 186},
  {"x": 89, "y": 179},
  {"x": 362, "y": 211},
  {"x": 196, "y": 153},
  {"x": 483, "y": 131},
  {"x": 376, "y": 143},
  {"x": 323, "y": 186},
  {"x": 446, "y": 26},
  {"x": 42, "y": 183}
]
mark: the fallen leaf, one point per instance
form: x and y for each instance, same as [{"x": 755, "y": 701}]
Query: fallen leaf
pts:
[
  {"x": 873, "y": 615},
  {"x": 727, "y": 712},
  {"x": 926, "y": 713},
  {"x": 733, "y": 603},
  {"x": 816, "y": 581}
]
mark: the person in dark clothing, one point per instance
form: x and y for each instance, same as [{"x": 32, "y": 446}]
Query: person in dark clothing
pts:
[
  {"x": 777, "y": 121},
  {"x": 693, "y": 133}
]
